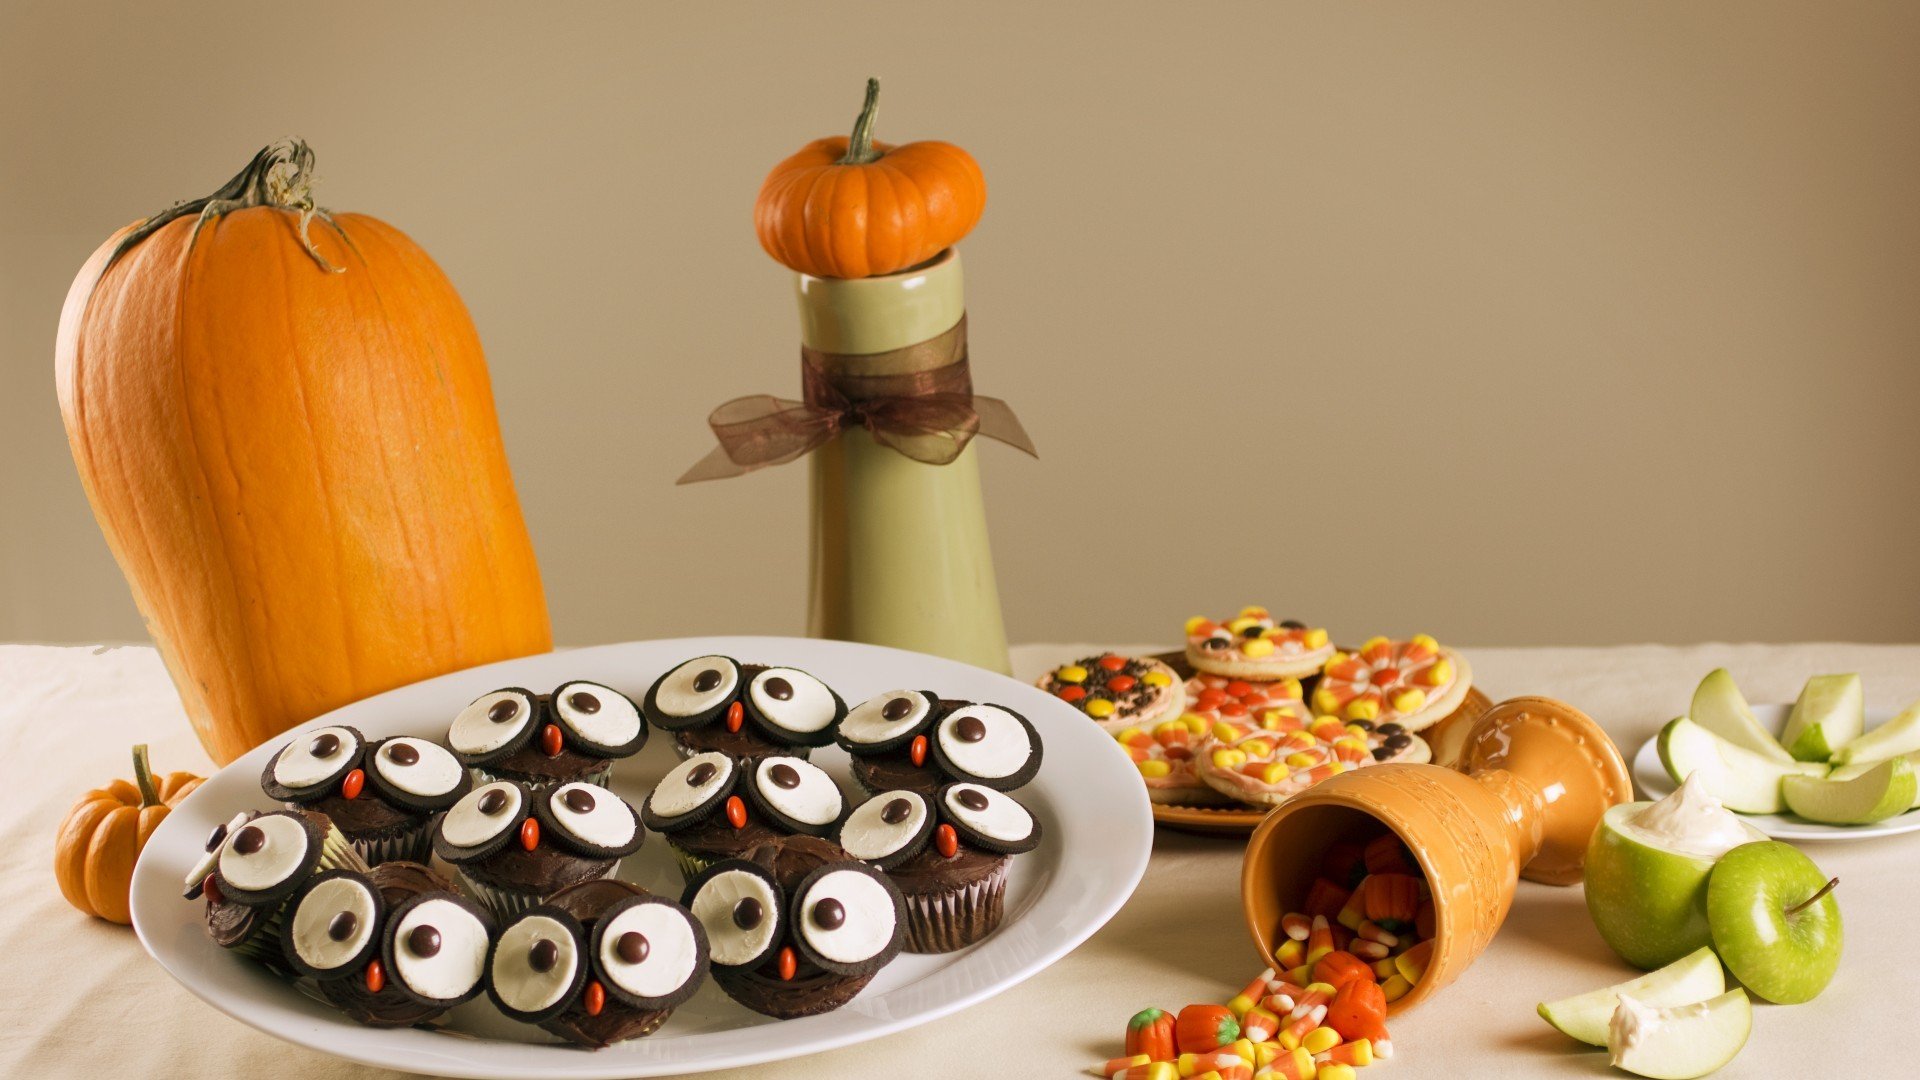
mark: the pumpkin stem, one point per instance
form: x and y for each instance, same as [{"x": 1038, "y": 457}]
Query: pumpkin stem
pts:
[
  {"x": 860, "y": 149},
  {"x": 143, "y": 777},
  {"x": 279, "y": 176}
]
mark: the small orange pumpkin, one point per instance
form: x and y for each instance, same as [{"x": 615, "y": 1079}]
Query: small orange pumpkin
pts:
[
  {"x": 853, "y": 208},
  {"x": 102, "y": 835}
]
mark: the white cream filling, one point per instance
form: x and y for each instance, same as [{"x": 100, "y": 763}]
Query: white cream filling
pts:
[
  {"x": 672, "y": 950},
  {"x": 870, "y": 917},
  {"x": 608, "y": 824},
  {"x": 865, "y": 836},
  {"x": 713, "y": 905},
  {"x": 298, "y": 766},
  {"x": 1003, "y": 750},
  {"x": 474, "y": 732},
  {"x": 809, "y": 708},
  {"x": 314, "y": 918},
  {"x": 815, "y": 800},
  {"x": 1003, "y": 819},
  {"x": 867, "y": 724},
  {"x": 676, "y": 695},
  {"x": 465, "y": 826},
  {"x": 435, "y": 773},
  {"x": 675, "y": 795},
  {"x": 461, "y": 959},
  {"x": 615, "y": 723},
  {"x": 514, "y": 979},
  {"x": 276, "y": 860},
  {"x": 1691, "y": 822}
]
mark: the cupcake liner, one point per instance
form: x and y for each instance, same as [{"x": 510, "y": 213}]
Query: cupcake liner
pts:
[
  {"x": 955, "y": 919},
  {"x": 503, "y": 904},
  {"x": 690, "y": 864},
  {"x": 600, "y": 775},
  {"x": 413, "y": 843}
]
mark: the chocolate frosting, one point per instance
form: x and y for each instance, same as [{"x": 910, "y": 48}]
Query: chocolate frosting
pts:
[
  {"x": 715, "y": 838},
  {"x": 931, "y": 873},
  {"x": 542, "y": 870},
  {"x": 531, "y": 763},
  {"x": 791, "y": 858},
  {"x": 360, "y": 816},
  {"x": 743, "y": 745},
  {"x": 616, "y": 1022},
  {"x": 398, "y": 881},
  {"x": 895, "y": 769}
]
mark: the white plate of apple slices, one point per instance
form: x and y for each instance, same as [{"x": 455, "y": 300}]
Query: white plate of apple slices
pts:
[{"x": 1823, "y": 768}]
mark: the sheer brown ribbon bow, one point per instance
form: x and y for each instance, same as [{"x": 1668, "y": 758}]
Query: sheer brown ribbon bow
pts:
[{"x": 929, "y": 415}]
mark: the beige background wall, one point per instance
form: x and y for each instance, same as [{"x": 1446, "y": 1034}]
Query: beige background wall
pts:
[{"x": 1510, "y": 322}]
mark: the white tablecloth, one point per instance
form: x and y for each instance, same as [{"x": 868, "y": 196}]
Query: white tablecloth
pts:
[{"x": 78, "y": 997}]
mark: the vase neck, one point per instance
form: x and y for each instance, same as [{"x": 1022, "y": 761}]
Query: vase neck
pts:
[{"x": 1523, "y": 810}]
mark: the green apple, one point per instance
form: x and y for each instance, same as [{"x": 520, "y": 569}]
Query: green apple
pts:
[
  {"x": 1679, "y": 1042},
  {"x": 1853, "y": 794},
  {"x": 1895, "y": 738},
  {"x": 1696, "y": 976},
  {"x": 1775, "y": 922},
  {"x": 1741, "y": 780},
  {"x": 1647, "y": 869},
  {"x": 1719, "y": 707},
  {"x": 1831, "y": 713}
]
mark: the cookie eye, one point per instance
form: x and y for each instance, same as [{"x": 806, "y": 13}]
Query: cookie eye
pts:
[
  {"x": 483, "y": 815},
  {"x": 493, "y": 722},
  {"x": 536, "y": 964},
  {"x": 599, "y": 716},
  {"x": 989, "y": 819},
  {"x": 417, "y": 768},
  {"x": 439, "y": 949},
  {"x": 797, "y": 794},
  {"x": 594, "y": 817},
  {"x": 265, "y": 853},
  {"x": 791, "y": 702},
  {"x": 887, "y": 827},
  {"x": 740, "y": 911},
  {"x": 316, "y": 757},
  {"x": 988, "y": 744},
  {"x": 216, "y": 844},
  {"x": 333, "y": 924},
  {"x": 886, "y": 719},
  {"x": 650, "y": 952},
  {"x": 693, "y": 691},
  {"x": 691, "y": 785},
  {"x": 846, "y": 918}
]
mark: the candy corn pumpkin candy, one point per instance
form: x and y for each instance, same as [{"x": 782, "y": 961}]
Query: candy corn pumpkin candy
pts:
[{"x": 1522, "y": 800}]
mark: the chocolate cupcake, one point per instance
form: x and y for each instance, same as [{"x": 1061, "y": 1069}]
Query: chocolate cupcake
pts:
[
  {"x": 746, "y": 711},
  {"x": 382, "y": 796},
  {"x": 928, "y": 742},
  {"x": 947, "y": 854},
  {"x": 513, "y": 846},
  {"x": 253, "y": 865},
  {"x": 601, "y": 962},
  {"x": 712, "y": 807},
  {"x": 335, "y": 932},
  {"x": 800, "y": 949},
  {"x": 573, "y": 735}
]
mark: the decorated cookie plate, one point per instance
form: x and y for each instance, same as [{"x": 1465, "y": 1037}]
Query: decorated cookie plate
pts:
[
  {"x": 1654, "y": 783},
  {"x": 1087, "y": 798}
]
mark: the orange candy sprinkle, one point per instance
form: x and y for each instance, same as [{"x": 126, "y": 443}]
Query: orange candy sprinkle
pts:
[
  {"x": 596, "y": 998},
  {"x": 918, "y": 752},
  {"x": 789, "y": 963},
  {"x": 736, "y": 812},
  {"x": 376, "y": 976},
  {"x": 735, "y": 714},
  {"x": 353, "y": 783},
  {"x": 550, "y": 740},
  {"x": 946, "y": 841},
  {"x": 530, "y": 834}
]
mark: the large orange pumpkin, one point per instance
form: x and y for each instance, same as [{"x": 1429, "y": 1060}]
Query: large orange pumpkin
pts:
[
  {"x": 853, "y": 208},
  {"x": 284, "y": 423}
]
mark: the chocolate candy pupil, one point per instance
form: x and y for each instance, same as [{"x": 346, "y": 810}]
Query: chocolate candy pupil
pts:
[
  {"x": 1400, "y": 741},
  {"x": 424, "y": 941},
  {"x": 493, "y": 802},
  {"x": 632, "y": 947},
  {"x": 584, "y": 702},
  {"x": 342, "y": 926},
  {"x": 1391, "y": 729},
  {"x": 324, "y": 744},
  {"x": 1216, "y": 643},
  {"x": 403, "y": 753},
  {"x": 784, "y": 776},
  {"x": 898, "y": 709},
  {"x": 748, "y": 913},
  {"x": 1292, "y": 624},
  {"x": 896, "y": 811},
  {"x": 249, "y": 840},
  {"x": 218, "y": 834},
  {"x": 542, "y": 955},
  {"x": 1253, "y": 631},
  {"x": 971, "y": 799},
  {"x": 779, "y": 689},
  {"x": 970, "y": 729},
  {"x": 578, "y": 800},
  {"x": 503, "y": 710},
  {"x": 702, "y": 773},
  {"x": 706, "y": 680},
  {"x": 829, "y": 914}
]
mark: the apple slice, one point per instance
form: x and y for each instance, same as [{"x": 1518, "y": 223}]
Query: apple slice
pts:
[
  {"x": 1743, "y": 781},
  {"x": 1896, "y": 737},
  {"x": 1831, "y": 713},
  {"x": 1696, "y": 976},
  {"x": 1853, "y": 794},
  {"x": 1719, "y": 707},
  {"x": 1679, "y": 1042}
]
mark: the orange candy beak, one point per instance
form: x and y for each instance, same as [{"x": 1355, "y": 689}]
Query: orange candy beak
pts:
[
  {"x": 736, "y": 812},
  {"x": 789, "y": 963},
  {"x": 596, "y": 998},
  {"x": 530, "y": 834},
  {"x": 918, "y": 751},
  {"x": 211, "y": 890},
  {"x": 550, "y": 740},
  {"x": 735, "y": 714},
  {"x": 352, "y": 784},
  {"x": 376, "y": 977},
  {"x": 946, "y": 841}
]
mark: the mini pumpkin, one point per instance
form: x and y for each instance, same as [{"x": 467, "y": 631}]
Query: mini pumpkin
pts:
[
  {"x": 102, "y": 835},
  {"x": 852, "y": 207}
]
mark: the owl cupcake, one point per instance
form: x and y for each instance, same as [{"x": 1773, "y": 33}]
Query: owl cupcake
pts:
[
  {"x": 801, "y": 949},
  {"x": 914, "y": 740},
  {"x": 948, "y": 855},
  {"x": 573, "y": 735},
  {"x": 745, "y": 711},
  {"x": 381, "y": 795},
  {"x": 599, "y": 963},
  {"x": 711, "y": 807},
  {"x": 513, "y": 846},
  {"x": 253, "y": 865}
]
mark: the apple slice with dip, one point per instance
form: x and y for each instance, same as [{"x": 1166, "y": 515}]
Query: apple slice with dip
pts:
[
  {"x": 1739, "y": 778},
  {"x": 1696, "y": 976},
  {"x": 1679, "y": 1042}
]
